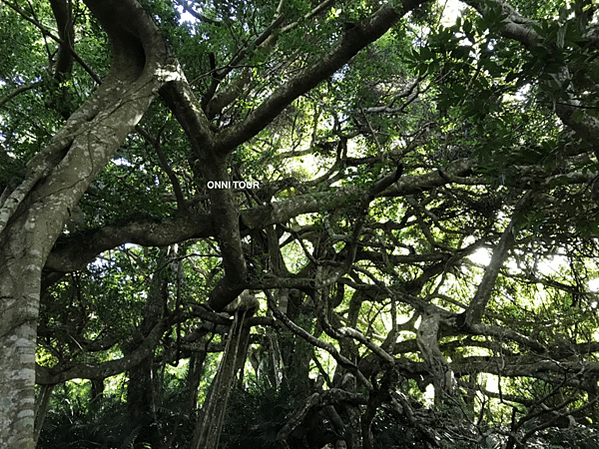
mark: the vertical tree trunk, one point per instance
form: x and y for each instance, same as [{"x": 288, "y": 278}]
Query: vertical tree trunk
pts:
[
  {"x": 41, "y": 407},
  {"x": 19, "y": 296},
  {"x": 428, "y": 343},
  {"x": 194, "y": 376},
  {"x": 33, "y": 214},
  {"x": 295, "y": 352},
  {"x": 209, "y": 426},
  {"x": 63, "y": 14},
  {"x": 97, "y": 390},
  {"x": 142, "y": 384}
]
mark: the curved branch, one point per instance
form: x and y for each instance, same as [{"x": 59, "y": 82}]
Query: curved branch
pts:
[
  {"x": 19, "y": 91},
  {"x": 73, "y": 253},
  {"x": 301, "y": 332},
  {"x": 49, "y": 376}
]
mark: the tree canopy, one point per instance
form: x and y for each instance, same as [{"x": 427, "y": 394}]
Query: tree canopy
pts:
[{"x": 299, "y": 224}]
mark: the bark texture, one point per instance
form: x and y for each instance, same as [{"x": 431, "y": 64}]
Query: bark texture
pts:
[{"x": 35, "y": 212}]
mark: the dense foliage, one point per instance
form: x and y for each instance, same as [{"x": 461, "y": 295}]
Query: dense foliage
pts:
[{"x": 412, "y": 240}]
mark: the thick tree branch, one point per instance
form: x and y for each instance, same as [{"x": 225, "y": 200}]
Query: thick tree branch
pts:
[
  {"x": 353, "y": 40},
  {"x": 73, "y": 253},
  {"x": 64, "y": 170},
  {"x": 64, "y": 21},
  {"x": 181, "y": 99},
  {"x": 477, "y": 306},
  {"x": 428, "y": 343}
]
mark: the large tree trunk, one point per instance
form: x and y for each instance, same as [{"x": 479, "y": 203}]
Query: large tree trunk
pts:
[
  {"x": 33, "y": 216},
  {"x": 142, "y": 386}
]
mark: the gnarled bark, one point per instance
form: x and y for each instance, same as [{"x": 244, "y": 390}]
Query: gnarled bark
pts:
[
  {"x": 428, "y": 343},
  {"x": 34, "y": 214}
]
